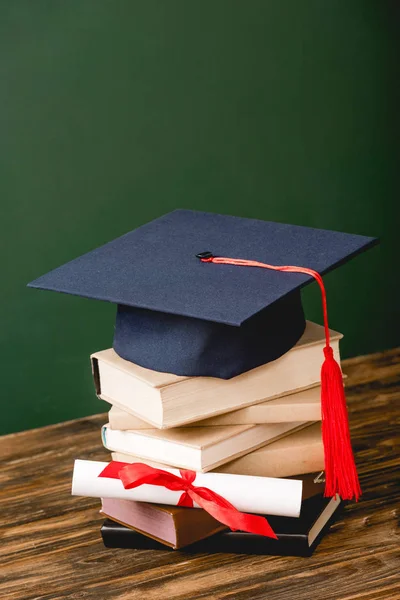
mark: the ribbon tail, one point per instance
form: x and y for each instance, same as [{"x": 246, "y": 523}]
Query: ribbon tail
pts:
[
  {"x": 112, "y": 470},
  {"x": 235, "y": 519},
  {"x": 133, "y": 475}
]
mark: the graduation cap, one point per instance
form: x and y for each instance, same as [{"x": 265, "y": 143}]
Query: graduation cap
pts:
[{"x": 186, "y": 304}]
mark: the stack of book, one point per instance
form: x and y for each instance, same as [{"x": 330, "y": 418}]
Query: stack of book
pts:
[
  {"x": 216, "y": 384},
  {"x": 264, "y": 423}
]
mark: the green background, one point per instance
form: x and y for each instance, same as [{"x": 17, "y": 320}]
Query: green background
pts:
[{"x": 115, "y": 112}]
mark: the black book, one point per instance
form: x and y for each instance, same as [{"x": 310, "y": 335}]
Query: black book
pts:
[{"x": 296, "y": 536}]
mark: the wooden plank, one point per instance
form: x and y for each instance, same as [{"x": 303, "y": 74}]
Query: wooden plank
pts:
[{"x": 51, "y": 546}]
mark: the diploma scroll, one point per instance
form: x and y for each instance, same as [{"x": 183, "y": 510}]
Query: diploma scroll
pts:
[{"x": 259, "y": 495}]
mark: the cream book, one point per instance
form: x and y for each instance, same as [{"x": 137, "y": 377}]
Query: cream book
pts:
[
  {"x": 300, "y": 406},
  {"x": 302, "y": 452},
  {"x": 298, "y": 453},
  {"x": 166, "y": 400},
  {"x": 196, "y": 448}
]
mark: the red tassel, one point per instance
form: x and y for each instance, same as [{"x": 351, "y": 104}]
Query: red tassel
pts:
[{"x": 340, "y": 468}]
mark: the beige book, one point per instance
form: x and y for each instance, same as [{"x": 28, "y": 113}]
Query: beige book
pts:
[
  {"x": 166, "y": 400},
  {"x": 298, "y": 453},
  {"x": 300, "y": 406},
  {"x": 195, "y": 448},
  {"x": 302, "y": 452}
]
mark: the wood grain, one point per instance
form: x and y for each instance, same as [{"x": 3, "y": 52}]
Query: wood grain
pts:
[{"x": 51, "y": 546}]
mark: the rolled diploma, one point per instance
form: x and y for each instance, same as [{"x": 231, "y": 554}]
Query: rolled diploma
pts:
[{"x": 260, "y": 495}]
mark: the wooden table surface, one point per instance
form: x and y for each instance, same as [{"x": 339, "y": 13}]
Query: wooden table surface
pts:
[{"x": 51, "y": 546}]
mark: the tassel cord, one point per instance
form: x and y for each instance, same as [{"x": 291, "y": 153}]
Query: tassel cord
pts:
[{"x": 340, "y": 469}]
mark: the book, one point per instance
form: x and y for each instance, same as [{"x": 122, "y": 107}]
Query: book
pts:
[
  {"x": 298, "y": 406},
  {"x": 297, "y": 453},
  {"x": 196, "y": 448},
  {"x": 296, "y": 537},
  {"x": 301, "y": 452},
  {"x": 166, "y": 400},
  {"x": 177, "y": 526},
  {"x": 174, "y": 526}
]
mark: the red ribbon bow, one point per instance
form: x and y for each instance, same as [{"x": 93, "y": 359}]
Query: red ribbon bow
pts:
[{"x": 136, "y": 474}]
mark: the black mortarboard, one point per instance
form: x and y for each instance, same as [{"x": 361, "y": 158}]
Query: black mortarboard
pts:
[{"x": 179, "y": 315}]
